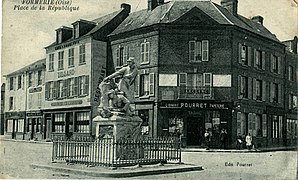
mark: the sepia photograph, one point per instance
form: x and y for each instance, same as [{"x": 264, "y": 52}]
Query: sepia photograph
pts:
[{"x": 149, "y": 89}]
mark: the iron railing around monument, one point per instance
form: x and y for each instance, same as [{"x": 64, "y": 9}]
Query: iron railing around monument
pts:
[{"x": 116, "y": 153}]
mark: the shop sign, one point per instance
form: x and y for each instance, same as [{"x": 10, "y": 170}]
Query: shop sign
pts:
[
  {"x": 203, "y": 105},
  {"x": 36, "y": 89},
  {"x": 67, "y": 45},
  {"x": 169, "y": 105},
  {"x": 66, "y": 103},
  {"x": 66, "y": 73},
  {"x": 33, "y": 114},
  {"x": 15, "y": 115}
]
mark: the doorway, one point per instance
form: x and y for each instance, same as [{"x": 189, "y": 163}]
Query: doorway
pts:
[{"x": 195, "y": 131}]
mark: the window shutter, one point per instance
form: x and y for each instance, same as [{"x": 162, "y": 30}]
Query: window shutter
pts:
[
  {"x": 254, "y": 89},
  {"x": 65, "y": 88},
  {"x": 47, "y": 91},
  {"x": 249, "y": 123},
  {"x": 118, "y": 57},
  {"x": 76, "y": 86},
  {"x": 271, "y": 62},
  {"x": 249, "y": 56},
  {"x": 205, "y": 49},
  {"x": 263, "y": 90},
  {"x": 240, "y": 52},
  {"x": 182, "y": 79},
  {"x": 151, "y": 84},
  {"x": 191, "y": 50},
  {"x": 254, "y": 57},
  {"x": 55, "y": 89},
  {"x": 86, "y": 89},
  {"x": 148, "y": 52},
  {"x": 264, "y": 120},
  {"x": 271, "y": 91},
  {"x": 279, "y": 68},
  {"x": 137, "y": 86},
  {"x": 253, "y": 123},
  {"x": 279, "y": 93},
  {"x": 263, "y": 60},
  {"x": 239, "y": 87},
  {"x": 15, "y": 83},
  {"x": 239, "y": 123},
  {"x": 250, "y": 88}
]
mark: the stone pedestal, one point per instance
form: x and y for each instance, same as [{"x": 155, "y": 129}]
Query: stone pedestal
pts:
[{"x": 118, "y": 126}]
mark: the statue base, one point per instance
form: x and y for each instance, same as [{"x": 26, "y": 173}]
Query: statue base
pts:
[{"x": 118, "y": 126}]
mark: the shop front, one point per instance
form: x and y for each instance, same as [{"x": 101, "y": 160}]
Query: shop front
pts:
[
  {"x": 68, "y": 123},
  {"x": 14, "y": 128},
  {"x": 191, "y": 119},
  {"x": 34, "y": 125}
]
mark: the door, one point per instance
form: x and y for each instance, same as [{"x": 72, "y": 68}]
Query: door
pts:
[{"x": 195, "y": 131}]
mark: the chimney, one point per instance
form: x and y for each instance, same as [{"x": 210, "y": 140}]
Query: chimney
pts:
[
  {"x": 295, "y": 44},
  {"x": 125, "y": 6},
  {"x": 258, "y": 19},
  {"x": 230, "y": 5},
  {"x": 154, "y": 3}
]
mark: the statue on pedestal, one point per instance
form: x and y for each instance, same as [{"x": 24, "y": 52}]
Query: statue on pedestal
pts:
[{"x": 118, "y": 98}]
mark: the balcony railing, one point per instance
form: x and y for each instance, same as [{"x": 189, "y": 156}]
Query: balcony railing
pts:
[{"x": 196, "y": 92}]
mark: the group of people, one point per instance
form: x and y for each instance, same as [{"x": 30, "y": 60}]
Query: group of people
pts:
[{"x": 223, "y": 140}]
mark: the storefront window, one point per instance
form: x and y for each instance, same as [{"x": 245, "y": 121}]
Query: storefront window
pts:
[
  {"x": 258, "y": 125},
  {"x": 59, "y": 123},
  {"x": 82, "y": 123},
  {"x": 212, "y": 121},
  {"x": 38, "y": 125},
  {"x": 291, "y": 129},
  {"x": 20, "y": 125},
  {"x": 9, "y": 125},
  {"x": 144, "y": 115},
  {"x": 175, "y": 126}
]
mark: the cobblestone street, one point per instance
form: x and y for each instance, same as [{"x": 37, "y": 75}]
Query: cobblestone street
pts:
[{"x": 16, "y": 158}]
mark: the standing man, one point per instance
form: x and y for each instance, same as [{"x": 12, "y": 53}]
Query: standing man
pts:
[{"x": 128, "y": 75}]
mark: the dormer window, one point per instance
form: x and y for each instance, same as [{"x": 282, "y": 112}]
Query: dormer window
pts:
[
  {"x": 76, "y": 31},
  {"x": 59, "y": 36}
]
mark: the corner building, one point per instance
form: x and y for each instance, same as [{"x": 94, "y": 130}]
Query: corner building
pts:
[
  {"x": 76, "y": 64},
  {"x": 204, "y": 66}
]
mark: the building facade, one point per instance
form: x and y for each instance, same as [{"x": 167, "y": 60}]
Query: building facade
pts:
[
  {"x": 291, "y": 94},
  {"x": 76, "y": 64},
  {"x": 202, "y": 66},
  {"x": 23, "y": 95}
]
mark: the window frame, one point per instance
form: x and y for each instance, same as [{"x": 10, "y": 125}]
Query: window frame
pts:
[
  {"x": 61, "y": 60},
  {"x": 82, "y": 54},
  {"x": 71, "y": 57},
  {"x": 145, "y": 52},
  {"x": 51, "y": 62}
]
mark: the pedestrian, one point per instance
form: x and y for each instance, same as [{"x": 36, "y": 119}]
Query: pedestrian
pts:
[
  {"x": 223, "y": 139},
  {"x": 207, "y": 136},
  {"x": 239, "y": 142},
  {"x": 248, "y": 140}
]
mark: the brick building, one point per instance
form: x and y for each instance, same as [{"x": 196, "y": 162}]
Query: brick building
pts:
[
  {"x": 204, "y": 66},
  {"x": 291, "y": 94},
  {"x": 76, "y": 64}
]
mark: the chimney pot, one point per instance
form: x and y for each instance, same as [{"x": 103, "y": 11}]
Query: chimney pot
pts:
[
  {"x": 258, "y": 19},
  {"x": 230, "y": 5},
  {"x": 126, "y": 6},
  {"x": 154, "y": 3}
]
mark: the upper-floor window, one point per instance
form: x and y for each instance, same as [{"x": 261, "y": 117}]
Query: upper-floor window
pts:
[
  {"x": 122, "y": 55},
  {"x": 144, "y": 85},
  {"x": 11, "y": 83},
  {"x": 71, "y": 57},
  {"x": 11, "y": 105},
  {"x": 244, "y": 54},
  {"x": 259, "y": 89},
  {"x": 291, "y": 73},
  {"x": 293, "y": 101},
  {"x": 259, "y": 59},
  {"x": 82, "y": 54},
  {"x": 60, "y": 60},
  {"x": 275, "y": 92},
  {"x": 51, "y": 62},
  {"x": 30, "y": 79},
  {"x": 83, "y": 85},
  {"x": 198, "y": 51},
  {"x": 19, "y": 81},
  {"x": 275, "y": 64},
  {"x": 244, "y": 86},
  {"x": 39, "y": 77},
  {"x": 145, "y": 52}
]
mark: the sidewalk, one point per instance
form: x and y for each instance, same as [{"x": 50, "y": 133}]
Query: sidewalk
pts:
[
  {"x": 200, "y": 149},
  {"x": 98, "y": 171}
]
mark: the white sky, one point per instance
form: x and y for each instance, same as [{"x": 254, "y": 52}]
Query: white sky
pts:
[{"x": 26, "y": 33}]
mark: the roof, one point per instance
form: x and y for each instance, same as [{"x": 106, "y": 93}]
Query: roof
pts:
[
  {"x": 100, "y": 22},
  {"x": 39, "y": 64},
  {"x": 172, "y": 11}
]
